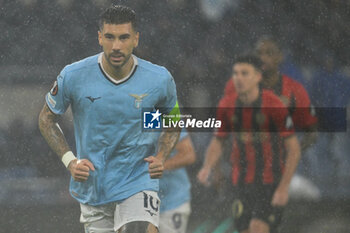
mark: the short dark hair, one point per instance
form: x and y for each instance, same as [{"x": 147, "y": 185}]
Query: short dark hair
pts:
[
  {"x": 118, "y": 14},
  {"x": 250, "y": 59},
  {"x": 271, "y": 39}
]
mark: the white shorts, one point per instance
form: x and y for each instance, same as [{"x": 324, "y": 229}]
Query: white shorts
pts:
[
  {"x": 175, "y": 221},
  {"x": 141, "y": 207}
]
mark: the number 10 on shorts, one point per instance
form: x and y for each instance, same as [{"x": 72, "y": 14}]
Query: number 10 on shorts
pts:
[{"x": 151, "y": 204}]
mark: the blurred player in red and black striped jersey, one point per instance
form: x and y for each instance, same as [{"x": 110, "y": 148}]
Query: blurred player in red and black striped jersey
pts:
[
  {"x": 290, "y": 92},
  {"x": 265, "y": 149}
]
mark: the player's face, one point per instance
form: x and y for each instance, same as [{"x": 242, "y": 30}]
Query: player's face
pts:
[
  {"x": 245, "y": 77},
  {"x": 269, "y": 54},
  {"x": 118, "y": 42}
]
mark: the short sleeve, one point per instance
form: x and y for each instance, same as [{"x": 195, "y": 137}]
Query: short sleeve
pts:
[
  {"x": 282, "y": 120},
  {"x": 57, "y": 99},
  {"x": 230, "y": 87},
  {"x": 304, "y": 113},
  {"x": 169, "y": 99}
]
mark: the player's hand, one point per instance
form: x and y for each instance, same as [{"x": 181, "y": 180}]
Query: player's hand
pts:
[
  {"x": 280, "y": 197},
  {"x": 155, "y": 167},
  {"x": 203, "y": 176},
  {"x": 79, "y": 169}
]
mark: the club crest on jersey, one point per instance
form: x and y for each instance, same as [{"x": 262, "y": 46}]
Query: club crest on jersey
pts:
[
  {"x": 234, "y": 119},
  {"x": 54, "y": 89},
  {"x": 138, "y": 99},
  {"x": 244, "y": 137}
]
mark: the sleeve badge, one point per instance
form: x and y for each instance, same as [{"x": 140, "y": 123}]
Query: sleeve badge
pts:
[{"x": 54, "y": 89}]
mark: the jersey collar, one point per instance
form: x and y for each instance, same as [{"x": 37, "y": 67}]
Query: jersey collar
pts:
[{"x": 133, "y": 69}]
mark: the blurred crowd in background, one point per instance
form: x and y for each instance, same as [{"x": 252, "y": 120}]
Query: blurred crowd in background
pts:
[{"x": 197, "y": 41}]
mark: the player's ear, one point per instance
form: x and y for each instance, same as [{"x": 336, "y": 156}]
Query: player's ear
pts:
[
  {"x": 136, "y": 42},
  {"x": 99, "y": 37}
]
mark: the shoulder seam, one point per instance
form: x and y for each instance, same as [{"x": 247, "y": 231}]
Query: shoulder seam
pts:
[
  {"x": 78, "y": 68},
  {"x": 81, "y": 64},
  {"x": 156, "y": 68},
  {"x": 293, "y": 80}
]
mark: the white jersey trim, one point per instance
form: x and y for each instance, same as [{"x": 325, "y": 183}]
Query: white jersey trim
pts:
[{"x": 110, "y": 77}]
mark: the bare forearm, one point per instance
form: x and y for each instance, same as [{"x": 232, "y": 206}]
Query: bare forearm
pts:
[
  {"x": 185, "y": 155},
  {"x": 167, "y": 142},
  {"x": 293, "y": 156},
  {"x": 213, "y": 153},
  {"x": 212, "y": 156},
  {"x": 179, "y": 160},
  {"x": 52, "y": 133},
  {"x": 172, "y": 164}
]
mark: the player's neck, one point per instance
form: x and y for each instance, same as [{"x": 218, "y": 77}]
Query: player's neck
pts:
[
  {"x": 249, "y": 97},
  {"x": 270, "y": 79},
  {"x": 120, "y": 72}
]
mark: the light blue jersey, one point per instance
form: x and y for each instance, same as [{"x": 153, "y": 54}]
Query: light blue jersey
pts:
[
  {"x": 108, "y": 125},
  {"x": 174, "y": 186}
]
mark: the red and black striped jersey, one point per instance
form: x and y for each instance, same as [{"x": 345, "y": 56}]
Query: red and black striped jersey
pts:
[
  {"x": 258, "y": 154},
  {"x": 294, "y": 96}
]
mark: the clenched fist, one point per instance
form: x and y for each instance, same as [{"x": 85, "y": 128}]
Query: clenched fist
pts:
[
  {"x": 155, "y": 167},
  {"x": 80, "y": 169}
]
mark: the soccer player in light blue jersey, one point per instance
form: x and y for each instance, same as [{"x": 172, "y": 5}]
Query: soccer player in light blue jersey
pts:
[
  {"x": 116, "y": 168},
  {"x": 174, "y": 187}
]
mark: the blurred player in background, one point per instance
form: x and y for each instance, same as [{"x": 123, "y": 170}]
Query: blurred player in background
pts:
[
  {"x": 114, "y": 175},
  {"x": 175, "y": 187},
  {"x": 262, "y": 128},
  {"x": 290, "y": 92}
]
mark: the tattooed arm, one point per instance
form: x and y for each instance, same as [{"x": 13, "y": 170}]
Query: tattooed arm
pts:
[
  {"x": 166, "y": 143},
  {"x": 49, "y": 128}
]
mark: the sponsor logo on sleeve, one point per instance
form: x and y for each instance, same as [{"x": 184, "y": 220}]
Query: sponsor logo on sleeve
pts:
[
  {"x": 52, "y": 102},
  {"x": 54, "y": 89}
]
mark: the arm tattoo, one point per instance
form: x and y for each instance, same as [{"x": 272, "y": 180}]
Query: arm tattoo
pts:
[
  {"x": 51, "y": 131},
  {"x": 167, "y": 141}
]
